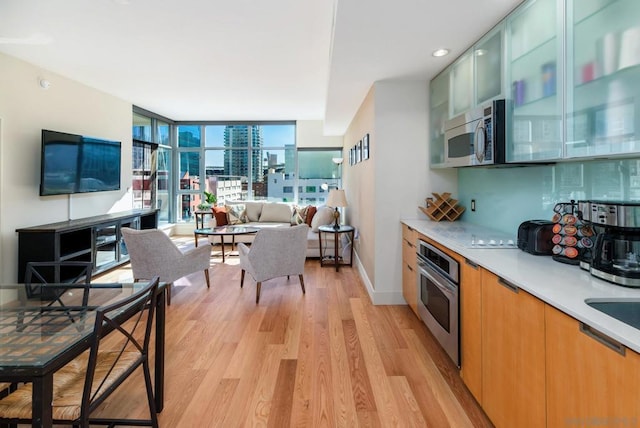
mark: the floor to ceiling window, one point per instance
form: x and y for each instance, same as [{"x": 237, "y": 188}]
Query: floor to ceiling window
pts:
[
  {"x": 164, "y": 170},
  {"x": 141, "y": 129},
  {"x": 189, "y": 189},
  {"x": 234, "y": 161},
  {"x": 144, "y": 166},
  {"x": 239, "y": 161},
  {"x": 152, "y": 163}
]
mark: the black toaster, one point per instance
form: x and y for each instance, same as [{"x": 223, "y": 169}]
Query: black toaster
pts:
[{"x": 535, "y": 237}]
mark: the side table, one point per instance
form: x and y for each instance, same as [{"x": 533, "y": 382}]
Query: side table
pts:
[
  {"x": 335, "y": 260},
  {"x": 201, "y": 217}
]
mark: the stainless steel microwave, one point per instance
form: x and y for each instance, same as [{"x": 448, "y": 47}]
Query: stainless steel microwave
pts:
[{"x": 476, "y": 137}]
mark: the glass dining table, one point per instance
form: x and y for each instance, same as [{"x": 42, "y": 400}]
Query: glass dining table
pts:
[{"x": 40, "y": 335}]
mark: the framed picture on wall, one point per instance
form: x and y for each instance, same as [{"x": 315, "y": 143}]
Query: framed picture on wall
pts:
[
  {"x": 365, "y": 147},
  {"x": 359, "y": 151},
  {"x": 352, "y": 157}
]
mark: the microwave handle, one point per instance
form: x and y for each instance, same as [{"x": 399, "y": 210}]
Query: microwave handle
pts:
[{"x": 480, "y": 140}]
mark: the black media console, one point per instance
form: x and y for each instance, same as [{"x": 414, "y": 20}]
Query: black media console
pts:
[{"x": 96, "y": 239}]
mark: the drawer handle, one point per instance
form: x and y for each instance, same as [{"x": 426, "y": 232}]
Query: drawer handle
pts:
[
  {"x": 508, "y": 285},
  {"x": 470, "y": 263},
  {"x": 409, "y": 243},
  {"x": 602, "y": 338},
  {"x": 410, "y": 268},
  {"x": 410, "y": 228}
]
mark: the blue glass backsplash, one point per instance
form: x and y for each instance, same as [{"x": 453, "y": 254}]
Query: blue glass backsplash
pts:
[{"x": 507, "y": 196}]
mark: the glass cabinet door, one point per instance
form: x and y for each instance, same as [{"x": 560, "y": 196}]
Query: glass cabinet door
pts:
[
  {"x": 106, "y": 245},
  {"x": 439, "y": 113},
  {"x": 534, "y": 68},
  {"x": 603, "y": 78},
  {"x": 488, "y": 58},
  {"x": 462, "y": 84}
]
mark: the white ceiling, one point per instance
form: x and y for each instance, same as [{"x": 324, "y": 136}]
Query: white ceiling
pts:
[{"x": 243, "y": 59}]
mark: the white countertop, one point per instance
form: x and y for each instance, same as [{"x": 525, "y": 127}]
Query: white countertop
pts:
[{"x": 558, "y": 284}]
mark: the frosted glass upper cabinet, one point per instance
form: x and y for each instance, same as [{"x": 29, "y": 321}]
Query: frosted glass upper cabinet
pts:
[
  {"x": 534, "y": 70},
  {"x": 462, "y": 84},
  {"x": 488, "y": 56},
  {"x": 439, "y": 113},
  {"x": 603, "y": 78}
]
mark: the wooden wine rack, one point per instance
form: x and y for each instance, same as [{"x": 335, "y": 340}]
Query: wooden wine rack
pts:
[{"x": 442, "y": 207}]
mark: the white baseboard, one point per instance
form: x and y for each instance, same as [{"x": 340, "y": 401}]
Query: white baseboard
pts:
[
  {"x": 168, "y": 228},
  {"x": 378, "y": 297}
]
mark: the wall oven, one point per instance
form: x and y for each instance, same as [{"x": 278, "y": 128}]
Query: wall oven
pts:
[
  {"x": 477, "y": 137},
  {"x": 438, "y": 279}
]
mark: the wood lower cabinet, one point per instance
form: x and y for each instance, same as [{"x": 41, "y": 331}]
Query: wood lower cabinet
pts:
[
  {"x": 588, "y": 382},
  {"x": 409, "y": 274},
  {"x": 471, "y": 327},
  {"x": 410, "y": 286},
  {"x": 513, "y": 355},
  {"x": 527, "y": 363}
]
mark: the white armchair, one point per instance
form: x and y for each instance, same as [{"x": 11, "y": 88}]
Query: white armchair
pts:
[
  {"x": 152, "y": 254},
  {"x": 275, "y": 252}
]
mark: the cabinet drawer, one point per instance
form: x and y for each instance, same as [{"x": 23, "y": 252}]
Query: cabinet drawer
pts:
[
  {"x": 409, "y": 234},
  {"x": 410, "y": 287},
  {"x": 409, "y": 253}
]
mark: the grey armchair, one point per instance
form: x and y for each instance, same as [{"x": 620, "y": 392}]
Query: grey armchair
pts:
[
  {"x": 152, "y": 254},
  {"x": 275, "y": 252}
]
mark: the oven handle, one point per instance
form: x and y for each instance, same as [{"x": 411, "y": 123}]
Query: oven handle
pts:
[{"x": 442, "y": 283}]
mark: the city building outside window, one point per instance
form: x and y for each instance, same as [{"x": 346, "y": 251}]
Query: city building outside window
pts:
[
  {"x": 234, "y": 161},
  {"x": 319, "y": 170}
]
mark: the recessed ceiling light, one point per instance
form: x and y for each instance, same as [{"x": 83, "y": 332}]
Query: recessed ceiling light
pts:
[{"x": 440, "y": 52}]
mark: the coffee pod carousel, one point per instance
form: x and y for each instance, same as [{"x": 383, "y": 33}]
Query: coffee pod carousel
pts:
[{"x": 572, "y": 237}]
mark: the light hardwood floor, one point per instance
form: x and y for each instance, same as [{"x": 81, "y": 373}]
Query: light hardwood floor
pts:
[{"x": 328, "y": 358}]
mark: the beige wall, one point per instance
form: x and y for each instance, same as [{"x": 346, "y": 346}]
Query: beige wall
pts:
[
  {"x": 392, "y": 184},
  {"x": 67, "y": 106},
  {"x": 359, "y": 184}
]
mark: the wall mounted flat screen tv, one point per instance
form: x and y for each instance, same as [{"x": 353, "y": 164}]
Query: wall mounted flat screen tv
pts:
[{"x": 77, "y": 164}]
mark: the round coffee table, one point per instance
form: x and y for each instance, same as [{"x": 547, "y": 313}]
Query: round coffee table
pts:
[{"x": 223, "y": 231}]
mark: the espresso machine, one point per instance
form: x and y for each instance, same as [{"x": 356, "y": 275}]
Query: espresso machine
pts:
[{"x": 616, "y": 252}]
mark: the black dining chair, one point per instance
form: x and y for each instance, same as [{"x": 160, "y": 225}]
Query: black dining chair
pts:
[
  {"x": 38, "y": 274},
  {"x": 119, "y": 345}
]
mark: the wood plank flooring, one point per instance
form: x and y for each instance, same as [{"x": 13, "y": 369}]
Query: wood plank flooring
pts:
[{"x": 325, "y": 359}]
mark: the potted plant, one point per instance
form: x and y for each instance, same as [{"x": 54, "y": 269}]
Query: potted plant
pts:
[{"x": 209, "y": 200}]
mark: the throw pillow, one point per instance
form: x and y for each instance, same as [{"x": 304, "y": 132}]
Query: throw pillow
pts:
[
  {"x": 236, "y": 213},
  {"x": 220, "y": 214},
  {"x": 323, "y": 216},
  {"x": 311, "y": 211},
  {"x": 299, "y": 215},
  {"x": 275, "y": 213},
  {"x": 253, "y": 210}
]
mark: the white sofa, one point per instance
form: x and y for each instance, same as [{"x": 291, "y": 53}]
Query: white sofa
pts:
[{"x": 273, "y": 214}]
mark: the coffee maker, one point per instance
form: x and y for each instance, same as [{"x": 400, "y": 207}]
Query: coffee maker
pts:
[{"x": 616, "y": 252}]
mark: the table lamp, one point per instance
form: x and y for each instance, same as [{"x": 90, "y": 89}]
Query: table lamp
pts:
[{"x": 336, "y": 200}]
